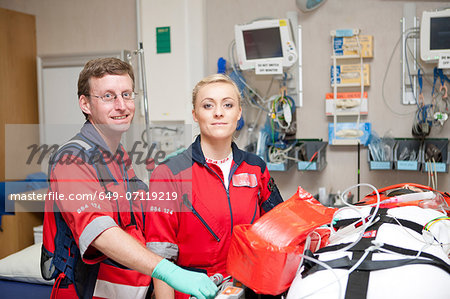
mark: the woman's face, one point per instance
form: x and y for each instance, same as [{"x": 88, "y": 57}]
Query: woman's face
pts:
[{"x": 217, "y": 110}]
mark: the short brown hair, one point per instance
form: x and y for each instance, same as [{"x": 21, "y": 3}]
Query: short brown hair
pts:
[
  {"x": 214, "y": 78},
  {"x": 98, "y": 68}
]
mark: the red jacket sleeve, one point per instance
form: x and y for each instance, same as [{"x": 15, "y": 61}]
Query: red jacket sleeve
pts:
[
  {"x": 162, "y": 209},
  {"x": 79, "y": 194}
]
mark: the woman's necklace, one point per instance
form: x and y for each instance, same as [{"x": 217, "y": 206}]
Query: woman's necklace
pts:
[{"x": 219, "y": 162}]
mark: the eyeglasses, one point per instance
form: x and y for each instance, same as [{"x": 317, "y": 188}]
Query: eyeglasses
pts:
[{"x": 111, "y": 97}]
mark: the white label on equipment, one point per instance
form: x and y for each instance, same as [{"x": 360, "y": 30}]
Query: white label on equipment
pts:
[
  {"x": 444, "y": 62},
  {"x": 272, "y": 68}
]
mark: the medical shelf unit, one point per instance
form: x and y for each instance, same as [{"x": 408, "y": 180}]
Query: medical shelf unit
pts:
[{"x": 339, "y": 79}]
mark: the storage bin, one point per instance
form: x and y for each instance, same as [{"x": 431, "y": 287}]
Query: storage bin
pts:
[
  {"x": 282, "y": 166},
  {"x": 407, "y": 154},
  {"x": 316, "y": 158},
  {"x": 437, "y": 149},
  {"x": 378, "y": 164}
]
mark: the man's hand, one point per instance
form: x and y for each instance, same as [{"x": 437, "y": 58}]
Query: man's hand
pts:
[{"x": 189, "y": 282}]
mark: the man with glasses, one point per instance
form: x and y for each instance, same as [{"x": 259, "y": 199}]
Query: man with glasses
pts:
[{"x": 93, "y": 234}]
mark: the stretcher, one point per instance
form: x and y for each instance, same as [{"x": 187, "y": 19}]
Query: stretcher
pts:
[{"x": 394, "y": 243}]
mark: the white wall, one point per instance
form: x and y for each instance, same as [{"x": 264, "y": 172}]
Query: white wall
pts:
[{"x": 82, "y": 26}]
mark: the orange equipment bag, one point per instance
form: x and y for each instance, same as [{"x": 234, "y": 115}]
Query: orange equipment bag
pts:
[{"x": 265, "y": 256}]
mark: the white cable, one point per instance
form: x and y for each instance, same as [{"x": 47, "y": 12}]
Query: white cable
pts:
[
  {"x": 385, "y": 76},
  {"x": 353, "y": 207},
  {"x": 430, "y": 170},
  {"x": 233, "y": 65},
  {"x": 326, "y": 266},
  {"x": 417, "y": 239},
  {"x": 272, "y": 107},
  {"x": 361, "y": 77},
  {"x": 420, "y": 66},
  {"x": 376, "y": 246},
  {"x": 431, "y": 174},
  {"x": 407, "y": 66},
  {"x": 306, "y": 247},
  {"x": 318, "y": 242},
  {"x": 428, "y": 174},
  {"x": 278, "y": 155},
  {"x": 364, "y": 226},
  {"x": 435, "y": 175}
]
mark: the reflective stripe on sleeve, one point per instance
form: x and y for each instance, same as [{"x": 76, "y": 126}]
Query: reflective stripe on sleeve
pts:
[
  {"x": 164, "y": 249},
  {"x": 93, "y": 230},
  {"x": 106, "y": 289}
]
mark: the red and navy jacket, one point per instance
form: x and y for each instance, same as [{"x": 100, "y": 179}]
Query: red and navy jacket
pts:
[
  {"x": 91, "y": 186},
  {"x": 192, "y": 220}
]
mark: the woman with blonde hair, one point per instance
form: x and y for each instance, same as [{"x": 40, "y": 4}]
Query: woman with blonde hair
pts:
[{"x": 217, "y": 186}]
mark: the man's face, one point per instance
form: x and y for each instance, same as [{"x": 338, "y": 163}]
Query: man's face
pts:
[{"x": 110, "y": 118}]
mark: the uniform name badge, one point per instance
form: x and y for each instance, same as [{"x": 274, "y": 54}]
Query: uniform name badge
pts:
[{"x": 245, "y": 180}]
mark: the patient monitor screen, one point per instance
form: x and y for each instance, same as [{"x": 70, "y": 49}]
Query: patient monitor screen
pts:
[
  {"x": 263, "y": 43},
  {"x": 440, "y": 33}
]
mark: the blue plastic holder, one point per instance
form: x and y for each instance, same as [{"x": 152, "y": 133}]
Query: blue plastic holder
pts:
[
  {"x": 315, "y": 155},
  {"x": 379, "y": 160},
  {"x": 338, "y": 138},
  {"x": 436, "y": 166},
  {"x": 413, "y": 149}
]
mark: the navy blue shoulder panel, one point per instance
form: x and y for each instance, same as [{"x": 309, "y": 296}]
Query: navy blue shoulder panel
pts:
[
  {"x": 86, "y": 151},
  {"x": 70, "y": 149},
  {"x": 76, "y": 147},
  {"x": 179, "y": 162},
  {"x": 254, "y": 160}
]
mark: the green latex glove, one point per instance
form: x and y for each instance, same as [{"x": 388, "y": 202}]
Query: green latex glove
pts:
[
  {"x": 334, "y": 221},
  {"x": 189, "y": 282}
]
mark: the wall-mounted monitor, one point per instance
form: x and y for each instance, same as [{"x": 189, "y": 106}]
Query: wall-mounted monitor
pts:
[
  {"x": 266, "y": 41},
  {"x": 435, "y": 35}
]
